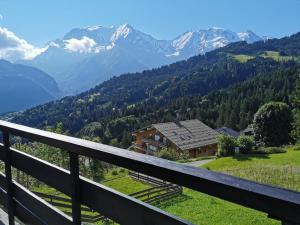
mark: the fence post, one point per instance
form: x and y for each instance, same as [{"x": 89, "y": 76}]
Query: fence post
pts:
[
  {"x": 9, "y": 186},
  {"x": 74, "y": 172}
]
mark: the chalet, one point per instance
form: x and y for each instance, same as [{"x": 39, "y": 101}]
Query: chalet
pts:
[
  {"x": 190, "y": 135},
  {"x": 228, "y": 131}
]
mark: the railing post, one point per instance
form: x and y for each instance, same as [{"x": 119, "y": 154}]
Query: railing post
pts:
[
  {"x": 76, "y": 206},
  {"x": 9, "y": 186}
]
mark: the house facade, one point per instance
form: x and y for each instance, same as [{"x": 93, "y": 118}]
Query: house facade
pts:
[{"x": 190, "y": 136}]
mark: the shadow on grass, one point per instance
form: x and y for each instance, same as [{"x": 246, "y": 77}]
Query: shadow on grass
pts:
[
  {"x": 249, "y": 157},
  {"x": 175, "y": 200}
]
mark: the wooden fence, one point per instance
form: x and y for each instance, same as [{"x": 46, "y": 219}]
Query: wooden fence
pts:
[{"x": 152, "y": 196}]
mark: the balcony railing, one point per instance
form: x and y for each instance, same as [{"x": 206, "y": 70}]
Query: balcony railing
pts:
[{"x": 278, "y": 203}]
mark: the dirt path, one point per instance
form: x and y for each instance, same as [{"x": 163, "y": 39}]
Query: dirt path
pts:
[{"x": 199, "y": 163}]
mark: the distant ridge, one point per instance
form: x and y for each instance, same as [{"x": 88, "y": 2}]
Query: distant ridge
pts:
[{"x": 22, "y": 87}]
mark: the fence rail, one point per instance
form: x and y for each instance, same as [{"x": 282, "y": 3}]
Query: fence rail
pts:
[
  {"x": 146, "y": 178},
  {"x": 152, "y": 195},
  {"x": 277, "y": 202}
]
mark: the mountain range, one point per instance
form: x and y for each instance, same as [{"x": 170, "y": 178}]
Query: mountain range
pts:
[
  {"x": 88, "y": 56},
  {"x": 222, "y": 87}
]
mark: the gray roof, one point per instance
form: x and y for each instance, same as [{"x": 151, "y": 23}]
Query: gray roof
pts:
[
  {"x": 228, "y": 131},
  {"x": 188, "y": 134},
  {"x": 248, "y": 129}
]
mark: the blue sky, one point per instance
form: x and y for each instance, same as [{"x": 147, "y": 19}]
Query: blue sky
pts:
[{"x": 39, "y": 21}]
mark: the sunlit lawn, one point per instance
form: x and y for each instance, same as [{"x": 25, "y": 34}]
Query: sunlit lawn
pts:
[{"x": 276, "y": 169}]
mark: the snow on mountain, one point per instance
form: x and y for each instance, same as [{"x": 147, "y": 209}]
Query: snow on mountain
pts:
[
  {"x": 199, "y": 42},
  {"x": 87, "y": 56},
  {"x": 249, "y": 36}
]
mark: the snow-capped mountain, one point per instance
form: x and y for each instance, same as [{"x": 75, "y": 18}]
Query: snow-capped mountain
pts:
[{"x": 85, "y": 57}]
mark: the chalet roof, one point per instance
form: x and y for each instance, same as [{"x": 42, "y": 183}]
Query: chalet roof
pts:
[
  {"x": 228, "y": 131},
  {"x": 249, "y": 129},
  {"x": 188, "y": 134}
]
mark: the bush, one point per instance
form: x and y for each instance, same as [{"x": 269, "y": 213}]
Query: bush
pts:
[
  {"x": 296, "y": 148},
  {"x": 114, "y": 172},
  {"x": 246, "y": 144},
  {"x": 173, "y": 155},
  {"x": 122, "y": 170},
  {"x": 169, "y": 154},
  {"x": 269, "y": 150},
  {"x": 226, "y": 145},
  {"x": 272, "y": 124}
]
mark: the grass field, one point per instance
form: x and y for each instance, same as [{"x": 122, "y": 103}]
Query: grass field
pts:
[
  {"x": 276, "y": 56},
  {"x": 243, "y": 58},
  {"x": 276, "y": 169},
  {"x": 123, "y": 183},
  {"x": 267, "y": 54}
]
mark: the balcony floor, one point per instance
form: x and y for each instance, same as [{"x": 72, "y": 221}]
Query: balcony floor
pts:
[{"x": 4, "y": 218}]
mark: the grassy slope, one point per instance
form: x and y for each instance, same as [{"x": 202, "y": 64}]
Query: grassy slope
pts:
[
  {"x": 125, "y": 184},
  {"x": 261, "y": 168},
  {"x": 267, "y": 54},
  {"x": 243, "y": 58},
  {"x": 202, "y": 209}
]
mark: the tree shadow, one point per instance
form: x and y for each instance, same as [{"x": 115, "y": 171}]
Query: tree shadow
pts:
[
  {"x": 173, "y": 201},
  {"x": 249, "y": 157}
]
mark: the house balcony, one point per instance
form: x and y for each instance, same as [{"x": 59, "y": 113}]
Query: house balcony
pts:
[
  {"x": 29, "y": 208},
  {"x": 157, "y": 144}
]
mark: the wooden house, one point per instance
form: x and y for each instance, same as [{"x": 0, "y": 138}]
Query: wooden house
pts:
[{"x": 192, "y": 136}]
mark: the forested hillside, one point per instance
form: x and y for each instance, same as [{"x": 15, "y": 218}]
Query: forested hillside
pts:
[{"x": 223, "y": 87}]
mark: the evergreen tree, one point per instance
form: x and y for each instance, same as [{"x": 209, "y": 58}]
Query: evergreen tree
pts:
[
  {"x": 126, "y": 140},
  {"x": 296, "y": 111}
]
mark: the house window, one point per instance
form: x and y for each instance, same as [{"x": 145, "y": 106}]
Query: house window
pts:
[
  {"x": 152, "y": 148},
  {"x": 156, "y": 137},
  {"x": 164, "y": 140}
]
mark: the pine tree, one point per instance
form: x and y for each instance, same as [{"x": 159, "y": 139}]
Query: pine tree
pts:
[{"x": 296, "y": 111}]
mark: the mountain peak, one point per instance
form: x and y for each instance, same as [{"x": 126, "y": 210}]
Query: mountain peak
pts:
[
  {"x": 122, "y": 32},
  {"x": 74, "y": 57},
  {"x": 249, "y": 36}
]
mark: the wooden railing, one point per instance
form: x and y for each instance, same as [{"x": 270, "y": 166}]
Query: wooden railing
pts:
[
  {"x": 153, "y": 195},
  {"x": 278, "y": 203}
]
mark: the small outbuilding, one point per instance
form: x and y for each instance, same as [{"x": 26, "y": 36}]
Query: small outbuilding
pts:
[{"x": 228, "y": 131}]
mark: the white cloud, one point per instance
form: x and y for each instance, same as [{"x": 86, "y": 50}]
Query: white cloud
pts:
[
  {"x": 13, "y": 48},
  {"x": 83, "y": 45}
]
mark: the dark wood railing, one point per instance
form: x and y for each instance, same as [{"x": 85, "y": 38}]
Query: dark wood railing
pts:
[{"x": 278, "y": 203}]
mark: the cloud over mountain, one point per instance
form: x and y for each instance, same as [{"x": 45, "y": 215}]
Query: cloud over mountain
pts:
[
  {"x": 13, "y": 48},
  {"x": 83, "y": 45}
]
